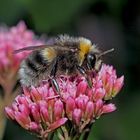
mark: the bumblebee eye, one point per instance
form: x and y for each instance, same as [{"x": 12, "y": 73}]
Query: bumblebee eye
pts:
[{"x": 91, "y": 59}]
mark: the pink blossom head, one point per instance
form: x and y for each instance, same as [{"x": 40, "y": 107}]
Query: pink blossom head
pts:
[
  {"x": 12, "y": 39},
  {"x": 84, "y": 104},
  {"x": 77, "y": 104},
  {"x": 38, "y": 110},
  {"x": 111, "y": 83}
]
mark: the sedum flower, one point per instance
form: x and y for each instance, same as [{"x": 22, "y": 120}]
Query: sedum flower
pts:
[
  {"x": 39, "y": 115},
  {"x": 111, "y": 83},
  {"x": 12, "y": 39},
  {"x": 72, "y": 112},
  {"x": 85, "y": 104}
]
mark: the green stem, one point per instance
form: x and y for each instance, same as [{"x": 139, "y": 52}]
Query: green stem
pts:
[
  {"x": 77, "y": 136},
  {"x": 60, "y": 136},
  {"x": 86, "y": 134},
  {"x": 66, "y": 135},
  {"x": 87, "y": 131}
]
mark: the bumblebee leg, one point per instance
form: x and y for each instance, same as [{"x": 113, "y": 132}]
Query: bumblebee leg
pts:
[
  {"x": 83, "y": 72},
  {"x": 52, "y": 76},
  {"x": 55, "y": 85}
]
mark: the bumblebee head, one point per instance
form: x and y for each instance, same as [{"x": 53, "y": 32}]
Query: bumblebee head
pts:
[
  {"x": 91, "y": 59},
  {"x": 88, "y": 53}
]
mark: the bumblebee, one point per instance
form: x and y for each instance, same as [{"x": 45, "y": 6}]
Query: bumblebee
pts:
[{"x": 65, "y": 55}]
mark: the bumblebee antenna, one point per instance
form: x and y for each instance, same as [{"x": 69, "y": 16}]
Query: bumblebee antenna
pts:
[{"x": 105, "y": 52}]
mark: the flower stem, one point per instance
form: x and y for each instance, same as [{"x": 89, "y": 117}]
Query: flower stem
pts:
[
  {"x": 60, "y": 136},
  {"x": 87, "y": 131},
  {"x": 2, "y": 121},
  {"x": 65, "y": 132},
  {"x": 8, "y": 97},
  {"x": 77, "y": 136}
]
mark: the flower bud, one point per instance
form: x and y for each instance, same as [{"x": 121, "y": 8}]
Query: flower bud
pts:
[
  {"x": 70, "y": 105},
  {"x": 89, "y": 110},
  {"x": 22, "y": 119},
  {"x": 58, "y": 109},
  {"x": 33, "y": 126},
  {"x": 35, "y": 112},
  {"x": 118, "y": 85},
  {"x": 10, "y": 113},
  {"x": 108, "y": 108},
  {"x": 77, "y": 114},
  {"x": 81, "y": 88},
  {"x": 57, "y": 124}
]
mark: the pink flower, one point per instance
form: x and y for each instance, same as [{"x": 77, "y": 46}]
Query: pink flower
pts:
[
  {"x": 12, "y": 39},
  {"x": 42, "y": 110},
  {"x": 35, "y": 115},
  {"x": 111, "y": 83},
  {"x": 76, "y": 116},
  {"x": 87, "y": 104}
]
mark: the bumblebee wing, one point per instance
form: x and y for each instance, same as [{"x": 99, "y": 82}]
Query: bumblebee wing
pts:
[{"x": 31, "y": 48}]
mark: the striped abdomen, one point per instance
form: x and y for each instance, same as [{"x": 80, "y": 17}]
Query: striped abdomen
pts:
[{"x": 33, "y": 69}]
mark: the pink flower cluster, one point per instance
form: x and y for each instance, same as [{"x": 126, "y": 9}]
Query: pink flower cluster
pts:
[
  {"x": 12, "y": 39},
  {"x": 38, "y": 110},
  {"x": 111, "y": 83},
  {"x": 42, "y": 110}
]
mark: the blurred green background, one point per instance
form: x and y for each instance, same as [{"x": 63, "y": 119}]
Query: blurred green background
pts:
[{"x": 109, "y": 24}]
